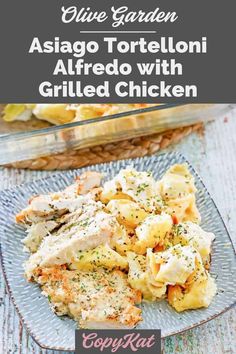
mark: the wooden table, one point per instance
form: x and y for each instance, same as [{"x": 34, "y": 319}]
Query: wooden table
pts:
[{"x": 214, "y": 157}]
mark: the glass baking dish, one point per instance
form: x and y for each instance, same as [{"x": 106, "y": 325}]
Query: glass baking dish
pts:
[{"x": 25, "y": 140}]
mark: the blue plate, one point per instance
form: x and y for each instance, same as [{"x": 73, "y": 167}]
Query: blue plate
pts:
[{"x": 53, "y": 332}]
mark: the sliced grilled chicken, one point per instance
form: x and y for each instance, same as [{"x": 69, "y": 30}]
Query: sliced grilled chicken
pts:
[
  {"x": 87, "y": 181},
  {"x": 74, "y": 236},
  {"x": 36, "y": 233},
  {"x": 49, "y": 206}
]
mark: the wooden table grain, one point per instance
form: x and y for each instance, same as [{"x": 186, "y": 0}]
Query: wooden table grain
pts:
[{"x": 214, "y": 156}]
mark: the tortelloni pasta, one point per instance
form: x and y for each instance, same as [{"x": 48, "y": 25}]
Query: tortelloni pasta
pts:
[
  {"x": 197, "y": 292},
  {"x": 165, "y": 246},
  {"x": 123, "y": 240},
  {"x": 192, "y": 234},
  {"x": 128, "y": 213},
  {"x": 139, "y": 278},
  {"x": 177, "y": 189},
  {"x": 152, "y": 232},
  {"x": 137, "y": 186},
  {"x": 172, "y": 266},
  {"x": 65, "y": 113},
  {"x": 101, "y": 256},
  {"x": 180, "y": 268}
]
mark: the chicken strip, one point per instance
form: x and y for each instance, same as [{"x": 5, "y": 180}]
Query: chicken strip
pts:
[
  {"x": 54, "y": 205},
  {"x": 78, "y": 234},
  {"x": 36, "y": 233},
  {"x": 87, "y": 181}
]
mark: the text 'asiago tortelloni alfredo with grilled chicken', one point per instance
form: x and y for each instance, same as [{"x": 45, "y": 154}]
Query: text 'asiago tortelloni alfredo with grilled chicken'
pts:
[{"x": 98, "y": 251}]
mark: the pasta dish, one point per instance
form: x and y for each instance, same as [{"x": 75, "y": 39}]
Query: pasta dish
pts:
[{"x": 97, "y": 251}]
